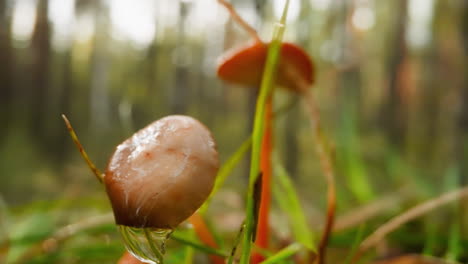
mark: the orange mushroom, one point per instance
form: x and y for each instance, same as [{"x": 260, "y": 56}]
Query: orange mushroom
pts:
[{"x": 245, "y": 65}]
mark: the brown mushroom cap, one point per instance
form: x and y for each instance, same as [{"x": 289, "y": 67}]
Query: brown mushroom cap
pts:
[{"x": 163, "y": 173}]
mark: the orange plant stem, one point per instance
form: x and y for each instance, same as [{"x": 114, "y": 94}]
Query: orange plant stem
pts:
[
  {"x": 263, "y": 225},
  {"x": 204, "y": 234}
]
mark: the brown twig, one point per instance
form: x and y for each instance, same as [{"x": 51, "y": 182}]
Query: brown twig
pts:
[
  {"x": 99, "y": 175},
  {"x": 407, "y": 216},
  {"x": 232, "y": 11},
  {"x": 366, "y": 212},
  {"x": 51, "y": 243}
]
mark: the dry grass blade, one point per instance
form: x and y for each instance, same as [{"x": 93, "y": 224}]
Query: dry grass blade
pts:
[
  {"x": 407, "y": 216},
  {"x": 252, "y": 32},
  {"x": 52, "y": 243},
  {"x": 83, "y": 153},
  {"x": 366, "y": 212}
]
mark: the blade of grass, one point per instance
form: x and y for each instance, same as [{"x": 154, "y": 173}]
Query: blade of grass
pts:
[
  {"x": 83, "y": 153},
  {"x": 236, "y": 244},
  {"x": 357, "y": 240},
  {"x": 225, "y": 170},
  {"x": 265, "y": 90},
  {"x": 283, "y": 254},
  {"x": 189, "y": 251},
  {"x": 454, "y": 248},
  {"x": 4, "y": 236},
  {"x": 350, "y": 155},
  {"x": 286, "y": 195},
  {"x": 202, "y": 248}
]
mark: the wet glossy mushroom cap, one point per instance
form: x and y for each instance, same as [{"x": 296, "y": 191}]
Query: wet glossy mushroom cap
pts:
[
  {"x": 163, "y": 173},
  {"x": 245, "y": 65}
]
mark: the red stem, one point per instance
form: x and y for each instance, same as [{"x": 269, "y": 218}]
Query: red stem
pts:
[
  {"x": 205, "y": 235},
  {"x": 263, "y": 227}
]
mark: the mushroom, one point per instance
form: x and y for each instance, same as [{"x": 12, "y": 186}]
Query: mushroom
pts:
[
  {"x": 162, "y": 174},
  {"x": 156, "y": 179}
]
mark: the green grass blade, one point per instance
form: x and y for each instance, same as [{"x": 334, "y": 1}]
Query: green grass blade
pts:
[
  {"x": 225, "y": 170},
  {"x": 236, "y": 244},
  {"x": 189, "y": 251},
  {"x": 286, "y": 196},
  {"x": 4, "y": 236},
  {"x": 283, "y": 254},
  {"x": 357, "y": 240},
  {"x": 454, "y": 248},
  {"x": 265, "y": 91},
  {"x": 196, "y": 245}
]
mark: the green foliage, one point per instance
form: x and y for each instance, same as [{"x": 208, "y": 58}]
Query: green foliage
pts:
[
  {"x": 286, "y": 196},
  {"x": 283, "y": 254}
]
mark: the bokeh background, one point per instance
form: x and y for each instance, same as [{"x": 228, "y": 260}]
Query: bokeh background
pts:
[{"x": 391, "y": 84}]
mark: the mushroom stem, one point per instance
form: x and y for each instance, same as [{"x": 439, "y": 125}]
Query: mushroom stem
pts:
[
  {"x": 99, "y": 175},
  {"x": 263, "y": 226}
]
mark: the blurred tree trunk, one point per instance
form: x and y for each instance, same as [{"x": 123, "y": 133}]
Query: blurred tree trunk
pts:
[
  {"x": 394, "y": 114},
  {"x": 291, "y": 153},
  {"x": 40, "y": 73},
  {"x": 463, "y": 120},
  {"x": 462, "y": 142},
  {"x": 152, "y": 73},
  {"x": 6, "y": 68},
  {"x": 99, "y": 72},
  {"x": 291, "y": 127},
  {"x": 180, "y": 92},
  {"x": 62, "y": 139}
]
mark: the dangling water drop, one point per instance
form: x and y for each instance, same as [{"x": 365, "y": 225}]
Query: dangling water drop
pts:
[{"x": 146, "y": 244}]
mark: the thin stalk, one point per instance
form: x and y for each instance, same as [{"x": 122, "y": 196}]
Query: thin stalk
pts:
[
  {"x": 265, "y": 91},
  {"x": 189, "y": 251},
  {"x": 99, "y": 175},
  {"x": 355, "y": 245},
  {"x": 236, "y": 244},
  {"x": 263, "y": 231},
  {"x": 232, "y": 11}
]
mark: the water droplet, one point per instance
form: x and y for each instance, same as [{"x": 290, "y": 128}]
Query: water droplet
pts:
[{"x": 146, "y": 244}]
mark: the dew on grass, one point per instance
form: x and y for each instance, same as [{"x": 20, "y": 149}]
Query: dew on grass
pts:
[{"x": 146, "y": 244}]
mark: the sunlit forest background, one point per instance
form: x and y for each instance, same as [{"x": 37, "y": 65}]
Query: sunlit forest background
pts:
[{"x": 391, "y": 83}]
